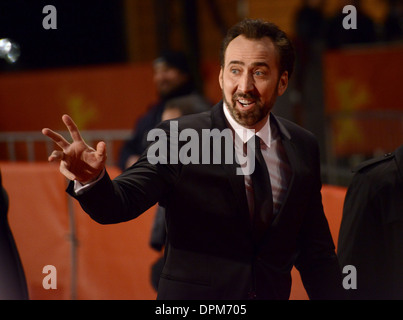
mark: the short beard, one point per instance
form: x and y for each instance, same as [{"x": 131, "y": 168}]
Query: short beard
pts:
[{"x": 251, "y": 117}]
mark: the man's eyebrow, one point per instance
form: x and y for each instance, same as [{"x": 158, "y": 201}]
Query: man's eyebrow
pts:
[
  {"x": 236, "y": 62},
  {"x": 260, "y": 64},
  {"x": 255, "y": 64}
]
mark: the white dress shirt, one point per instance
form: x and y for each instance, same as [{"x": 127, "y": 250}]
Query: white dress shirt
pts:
[{"x": 273, "y": 153}]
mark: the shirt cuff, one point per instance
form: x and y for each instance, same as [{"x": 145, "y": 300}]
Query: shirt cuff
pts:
[{"x": 80, "y": 188}]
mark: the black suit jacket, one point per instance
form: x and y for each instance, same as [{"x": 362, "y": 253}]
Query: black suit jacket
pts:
[
  {"x": 210, "y": 252},
  {"x": 371, "y": 231}
]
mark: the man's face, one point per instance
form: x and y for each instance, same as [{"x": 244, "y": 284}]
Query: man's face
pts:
[
  {"x": 250, "y": 79},
  {"x": 167, "y": 78}
]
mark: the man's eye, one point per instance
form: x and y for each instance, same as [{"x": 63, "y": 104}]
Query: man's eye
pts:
[
  {"x": 259, "y": 73},
  {"x": 234, "y": 71}
]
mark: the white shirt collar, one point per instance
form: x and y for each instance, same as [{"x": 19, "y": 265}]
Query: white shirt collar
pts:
[{"x": 245, "y": 133}]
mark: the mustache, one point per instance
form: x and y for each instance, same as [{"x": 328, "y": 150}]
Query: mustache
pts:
[{"x": 238, "y": 95}]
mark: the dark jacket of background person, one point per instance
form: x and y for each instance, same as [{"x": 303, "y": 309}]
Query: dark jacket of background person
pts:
[
  {"x": 138, "y": 141},
  {"x": 12, "y": 278},
  {"x": 371, "y": 232},
  {"x": 338, "y": 37},
  {"x": 210, "y": 249}
]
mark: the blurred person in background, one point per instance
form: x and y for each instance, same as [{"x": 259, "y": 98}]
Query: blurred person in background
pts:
[
  {"x": 338, "y": 37},
  {"x": 393, "y": 25},
  {"x": 172, "y": 78},
  {"x": 309, "y": 42}
]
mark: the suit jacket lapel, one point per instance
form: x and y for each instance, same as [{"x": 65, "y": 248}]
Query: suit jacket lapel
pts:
[
  {"x": 399, "y": 161},
  {"x": 292, "y": 160}
]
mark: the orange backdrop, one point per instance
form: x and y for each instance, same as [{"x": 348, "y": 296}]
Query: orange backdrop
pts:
[
  {"x": 105, "y": 97},
  {"x": 365, "y": 82},
  {"x": 101, "y": 97},
  {"x": 99, "y": 262}
]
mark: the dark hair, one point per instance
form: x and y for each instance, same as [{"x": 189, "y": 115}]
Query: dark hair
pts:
[
  {"x": 188, "y": 104},
  {"x": 175, "y": 59},
  {"x": 258, "y": 29}
]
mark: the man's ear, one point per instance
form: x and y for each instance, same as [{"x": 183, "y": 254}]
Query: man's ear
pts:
[
  {"x": 282, "y": 83},
  {"x": 220, "y": 78}
]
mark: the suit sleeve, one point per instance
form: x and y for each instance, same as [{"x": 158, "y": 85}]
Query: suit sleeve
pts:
[
  {"x": 130, "y": 194},
  {"x": 317, "y": 261}
]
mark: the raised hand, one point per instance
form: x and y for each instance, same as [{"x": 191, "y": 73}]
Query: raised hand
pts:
[{"x": 78, "y": 161}]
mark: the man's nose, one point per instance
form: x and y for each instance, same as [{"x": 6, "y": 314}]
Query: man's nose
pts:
[{"x": 246, "y": 83}]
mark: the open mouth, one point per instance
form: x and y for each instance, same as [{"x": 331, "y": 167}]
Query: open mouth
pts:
[{"x": 246, "y": 104}]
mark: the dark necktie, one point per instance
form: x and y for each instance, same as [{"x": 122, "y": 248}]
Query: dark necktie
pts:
[{"x": 263, "y": 199}]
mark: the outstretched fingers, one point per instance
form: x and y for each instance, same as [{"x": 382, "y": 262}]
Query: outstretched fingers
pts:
[
  {"x": 71, "y": 126},
  {"x": 57, "y": 138},
  {"x": 78, "y": 161},
  {"x": 56, "y": 155},
  {"x": 64, "y": 169},
  {"x": 101, "y": 151}
]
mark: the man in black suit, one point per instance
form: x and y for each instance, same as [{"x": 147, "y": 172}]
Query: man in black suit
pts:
[
  {"x": 371, "y": 231},
  {"x": 229, "y": 236}
]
